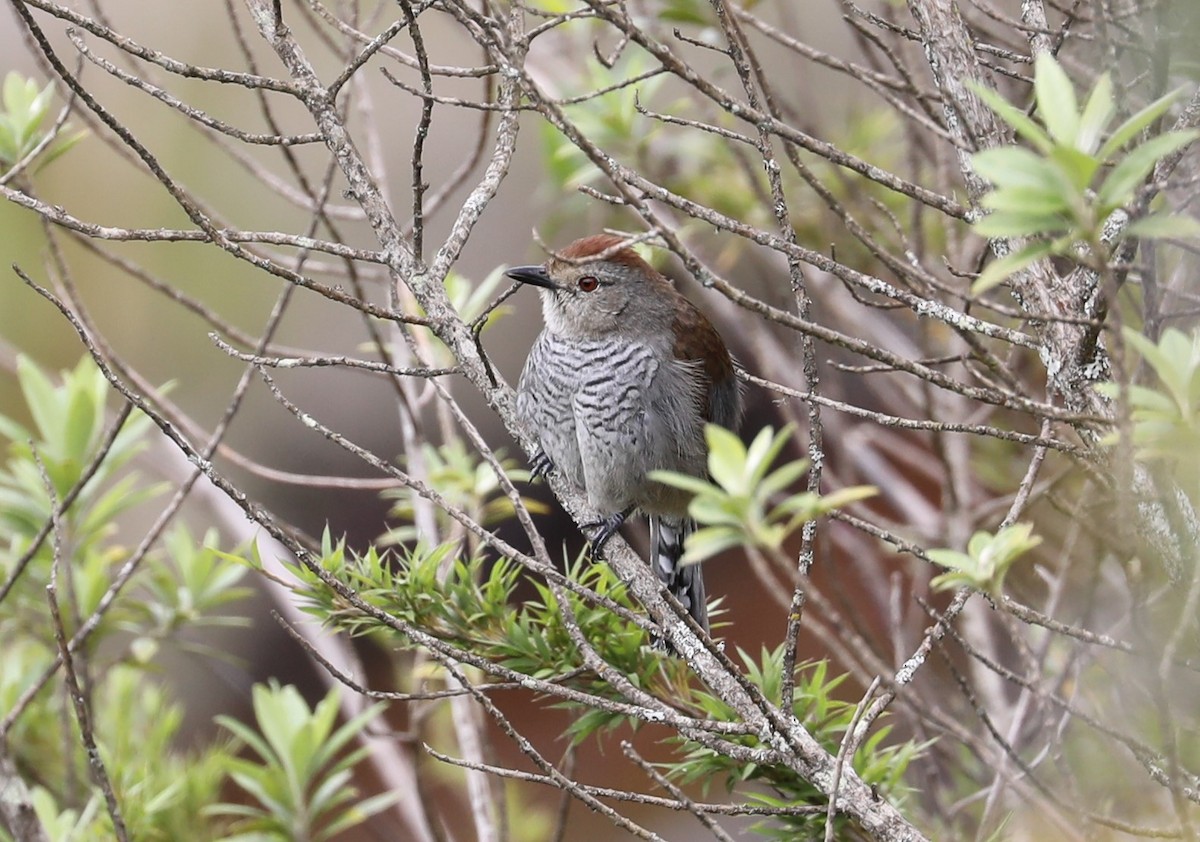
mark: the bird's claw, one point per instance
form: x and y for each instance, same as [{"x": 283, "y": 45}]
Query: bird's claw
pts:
[
  {"x": 540, "y": 466},
  {"x": 599, "y": 532}
]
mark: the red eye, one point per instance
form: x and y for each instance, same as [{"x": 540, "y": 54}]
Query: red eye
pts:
[{"x": 588, "y": 284}]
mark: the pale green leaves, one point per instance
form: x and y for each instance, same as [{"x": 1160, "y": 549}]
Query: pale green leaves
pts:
[
  {"x": 466, "y": 482},
  {"x": 1056, "y": 100},
  {"x": 63, "y": 824},
  {"x": 471, "y": 301},
  {"x": 188, "y": 589},
  {"x": 22, "y": 122},
  {"x": 179, "y": 588},
  {"x": 301, "y": 776},
  {"x": 1166, "y": 419},
  {"x": 611, "y": 120},
  {"x": 735, "y": 507},
  {"x": 68, "y": 425},
  {"x": 1059, "y": 193},
  {"x": 987, "y": 559}
]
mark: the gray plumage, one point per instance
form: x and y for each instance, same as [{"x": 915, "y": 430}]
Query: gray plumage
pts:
[{"x": 620, "y": 383}]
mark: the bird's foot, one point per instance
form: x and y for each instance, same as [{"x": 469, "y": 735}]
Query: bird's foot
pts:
[
  {"x": 540, "y": 466},
  {"x": 599, "y": 532}
]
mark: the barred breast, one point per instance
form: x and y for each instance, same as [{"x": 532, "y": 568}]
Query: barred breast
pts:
[{"x": 606, "y": 412}]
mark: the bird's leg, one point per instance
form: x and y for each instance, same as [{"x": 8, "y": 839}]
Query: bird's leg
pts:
[
  {"x": 540, "y": 465},
  {"x": 599, "y": 532}
]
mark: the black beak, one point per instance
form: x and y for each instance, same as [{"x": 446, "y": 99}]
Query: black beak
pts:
[{"x": 535, "y": 275}]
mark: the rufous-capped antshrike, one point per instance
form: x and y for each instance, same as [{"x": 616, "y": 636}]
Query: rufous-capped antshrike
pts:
[{"x": 619, "y": 383}]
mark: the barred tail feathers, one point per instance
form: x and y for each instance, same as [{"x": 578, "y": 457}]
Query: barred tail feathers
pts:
[{"x": 685, "y": 582}]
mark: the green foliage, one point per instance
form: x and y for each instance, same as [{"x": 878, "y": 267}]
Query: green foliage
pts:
[
  {"x": 705, "y": 167},
  {"x": 825, "y": 716},
  {"x": 674, "y": 11},
  {"x": 554, "y": 7},
  {"x": 187, "y": 589},
  {"x": 1166, "y": 419},
  {"x": 422, "y": 585},
  {"x": 987, "y": 559},
  {"x": 610, "y": 121},
  {"x": 466, "y": 482},
  {"x": 466, "y": 601},
  {"x": 694, "y": 12},
  {"x": 184, "y": 587},
  {"x": 469, "y": 603},
  {"x": 470, "y": 300},
  {"x": 160, "y": 787},
  {"x": 64, "y": 824},
  {"x": 301, "y": 776},
  {"x": 734, "y": 508},
  {"x": 1061, "y": 192},
  {"x": 68, "y": 425},
  {"x": 21, "y": 122}
]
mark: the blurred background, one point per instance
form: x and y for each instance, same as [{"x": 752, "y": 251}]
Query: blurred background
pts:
[
  {"x": 933, "y": 489},
  {"x": 167, "y": 344}
]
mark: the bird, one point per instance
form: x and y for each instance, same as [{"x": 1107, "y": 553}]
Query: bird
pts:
[{"x": 621, "y": 382}]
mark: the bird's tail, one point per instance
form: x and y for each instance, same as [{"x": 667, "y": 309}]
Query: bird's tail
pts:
[{"x": 684, "y": 581}]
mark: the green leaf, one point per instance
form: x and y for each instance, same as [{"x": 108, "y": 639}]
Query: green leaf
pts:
[
  {"x": 952, "y": 559},
  {"x": 1164, "y": 225},
  {"x": 1135, "y": 124},
  {"x": 1152, "y": 400},
  {"x": 978, "y": 544},
  {"x": 38, "y": 109},
  {"x": 846, "y": 496},
  {"x": 61, "y": 147},
  {"x": 998, "y": 270},
  {"x": 686, "y": 11},
  {"x": 363, "y": 810},
  {"x": 80, "y": 425},
  {"x": 705, "y": 543},
  {"x": 15, "y": 88},
  {"x": 303, "y": 777},
  {"x": 1132, "y": 170},
  {"x": 1078, "y": 167},
  {"x": 1027, "y": 200},
  {"x": 554, "y": 7},
  {"x": 42, "y": 399},
  {"x": 1020, "y": 224},
  {"x": 1056, "y": 103},
  {"x": 763, "y": 451},
  {"x": 332, "y": 791},
  {"x": 987, "y": 560},
  {"x": 261, "y": 792},
  {"x": 1097, "y": 113},
  {"x": 246, "y": 734},
  {"x": 350, "y": 729},
  {"x": 684, "y": 481},
  {"x": 11, "y": 430},
  {"x": 1174, "y": 348},
  {"x": 1016, "y": 118},
  {"x": 726, "y": 457},
  {"x": 782, "y": 477},
  {"x": 718, "y": 509},
  {"x": 25, "y": 110},
  {"x": 1015, "y": 166}
]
